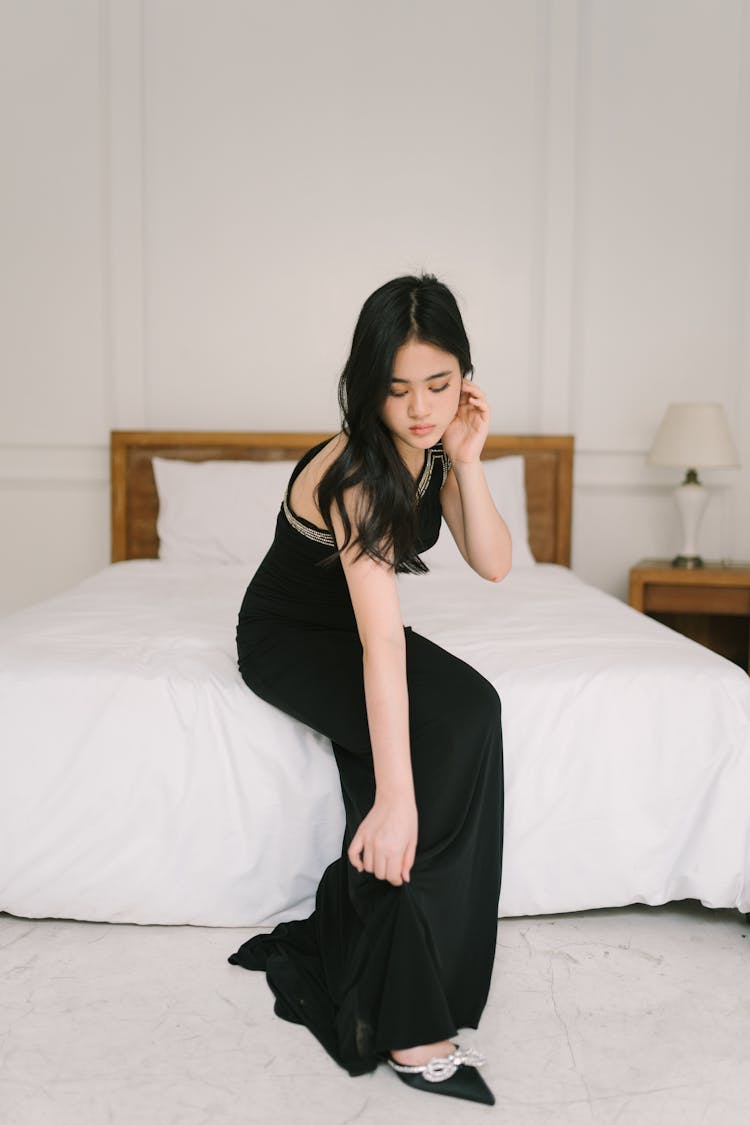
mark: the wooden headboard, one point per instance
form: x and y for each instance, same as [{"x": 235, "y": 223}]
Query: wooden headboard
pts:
[{"x": 135, "y": 505}]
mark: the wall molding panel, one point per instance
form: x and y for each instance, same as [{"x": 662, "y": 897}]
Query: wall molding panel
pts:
[
  {"x": 123, "y": 52},
  {"x": 740, "y": 497},
  {"x": 52, "y": 465},
  {"x": 597, "y": 231},
  {"x": 555, "y": 317}
]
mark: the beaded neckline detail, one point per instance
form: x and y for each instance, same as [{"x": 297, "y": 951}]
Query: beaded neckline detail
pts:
[
  {"x": 326, "y": 539},
  {"x": 314, "y": 533},
  {"x": 437, "y": 453}
]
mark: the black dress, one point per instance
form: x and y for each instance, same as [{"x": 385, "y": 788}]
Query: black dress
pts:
[{"x": 378, "y": 967}]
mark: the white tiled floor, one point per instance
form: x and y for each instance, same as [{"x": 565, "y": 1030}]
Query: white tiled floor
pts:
[{"x": 636, "y": 1015}]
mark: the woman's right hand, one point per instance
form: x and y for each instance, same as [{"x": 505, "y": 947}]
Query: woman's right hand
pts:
[{"x": 386, "y": 841}]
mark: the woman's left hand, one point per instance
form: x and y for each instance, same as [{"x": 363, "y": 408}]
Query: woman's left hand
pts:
[{"x": 464, "y": 439}]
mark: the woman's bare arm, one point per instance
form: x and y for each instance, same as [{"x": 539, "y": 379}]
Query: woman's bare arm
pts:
[
  {"x": 480, "y": 531},
  {"x": 385, "y": 842},
  {"x": 481, "y": 534}
]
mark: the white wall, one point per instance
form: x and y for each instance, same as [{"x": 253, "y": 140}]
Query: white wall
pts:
[{"x": 198, "y": 195}]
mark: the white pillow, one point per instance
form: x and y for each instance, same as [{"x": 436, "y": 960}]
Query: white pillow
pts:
[
  {"x": 507, "y": 484},
  {"x": 218, "y": 511}
]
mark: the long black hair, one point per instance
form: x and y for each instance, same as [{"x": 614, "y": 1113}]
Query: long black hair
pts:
[{"x": 407, "y": 308}]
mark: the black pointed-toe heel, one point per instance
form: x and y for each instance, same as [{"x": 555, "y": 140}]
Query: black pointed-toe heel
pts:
[{"x": 455, "y": 1075}]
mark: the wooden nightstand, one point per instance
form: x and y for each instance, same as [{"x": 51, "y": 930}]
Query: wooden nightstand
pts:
[{"x": 710, "y": 604}]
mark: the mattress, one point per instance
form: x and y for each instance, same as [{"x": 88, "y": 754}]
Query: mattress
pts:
[{"x": 141, "y": 781}]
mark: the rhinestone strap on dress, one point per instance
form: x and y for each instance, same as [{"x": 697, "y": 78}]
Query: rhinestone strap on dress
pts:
[
  {"x": 436, "y": 453},
  {"x": 314, "y": 533},
  {"x": 424, "y": 480}
]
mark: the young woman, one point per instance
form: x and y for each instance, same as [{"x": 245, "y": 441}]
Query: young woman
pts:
[{"x": 398, "y": 953}]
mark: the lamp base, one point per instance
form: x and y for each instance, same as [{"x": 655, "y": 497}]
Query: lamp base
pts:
[
  {"x": 688, "y": 562},
  {"x": 691, "y": 499}
]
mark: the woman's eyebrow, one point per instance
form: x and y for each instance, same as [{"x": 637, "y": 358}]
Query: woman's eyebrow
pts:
[{"x": 439, "y": 375}]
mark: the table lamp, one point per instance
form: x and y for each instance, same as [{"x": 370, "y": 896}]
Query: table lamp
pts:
[{"x": 694, "y": 434}]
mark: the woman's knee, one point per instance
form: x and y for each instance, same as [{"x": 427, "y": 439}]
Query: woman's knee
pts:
[
  {"x": 475, "y": 705},
  {"x": 446, "y": 691},
  {"x": 485, "y": 696}
]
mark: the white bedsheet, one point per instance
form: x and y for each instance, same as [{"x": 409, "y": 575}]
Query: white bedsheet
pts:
[{"x": 141, "y": 781}]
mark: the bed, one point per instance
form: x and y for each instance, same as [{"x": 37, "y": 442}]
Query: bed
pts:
[{"x": 142, "y": 782}]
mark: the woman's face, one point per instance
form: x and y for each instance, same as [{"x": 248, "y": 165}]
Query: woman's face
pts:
[{"x": 422, "y": 400}]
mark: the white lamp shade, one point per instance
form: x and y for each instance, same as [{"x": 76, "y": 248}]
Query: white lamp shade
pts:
[{"x": 694, "y": 435}]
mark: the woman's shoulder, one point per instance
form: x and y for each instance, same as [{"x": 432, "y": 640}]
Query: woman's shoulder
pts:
[
  {"x": 324, "y": 456},
  {"x": 331, "y": 450},
  {"x": 304, "y": 487}
]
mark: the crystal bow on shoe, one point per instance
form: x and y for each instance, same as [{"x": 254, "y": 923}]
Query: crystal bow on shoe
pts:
[{"x": 440, "y": 1069}]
